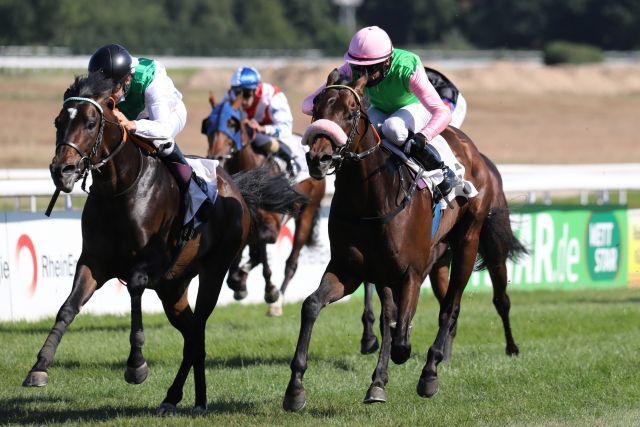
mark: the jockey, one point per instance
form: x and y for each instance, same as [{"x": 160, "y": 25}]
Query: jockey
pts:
[
  {"x": 149, "y": 105},
  {"x": 403, "y": 101},
  {"x": 266, "y": 112},
  {"x": 450, "y": 95}
]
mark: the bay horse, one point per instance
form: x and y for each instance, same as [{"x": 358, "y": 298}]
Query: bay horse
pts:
[
  {"x": 228, "y": 142},
  {"x": 380, "y": 231},
  {"x": 132, "y": 227},
  {"x": 497, "y": 234}
]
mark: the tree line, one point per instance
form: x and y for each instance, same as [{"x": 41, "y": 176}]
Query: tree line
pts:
[{"x": 228, "y": 27}]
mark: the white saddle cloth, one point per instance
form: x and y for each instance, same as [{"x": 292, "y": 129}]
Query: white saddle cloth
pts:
[{"x": 205, "y": 169}]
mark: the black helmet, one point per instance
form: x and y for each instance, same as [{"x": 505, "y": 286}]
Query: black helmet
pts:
[{"x": 112, "y": 60}]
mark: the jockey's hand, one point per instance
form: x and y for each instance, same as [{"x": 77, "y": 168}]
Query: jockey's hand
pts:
[
  {"x": 129, "y": 125},
  {"x": 253, "y": 124},
  {"x": 418, "y": 139}
]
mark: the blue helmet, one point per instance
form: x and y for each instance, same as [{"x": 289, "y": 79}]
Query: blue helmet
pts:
[{"x": 245, "y": 78}]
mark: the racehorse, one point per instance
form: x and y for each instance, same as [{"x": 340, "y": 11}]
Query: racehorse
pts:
[
  {"x": 496, "y": 233},
  {"x": 229, "y": 143},
  {"x": 380, "y": 231},
  {"x": 132, "y": 226}
]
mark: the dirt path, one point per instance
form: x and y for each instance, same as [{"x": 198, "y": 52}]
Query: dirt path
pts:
[{"x": 517, "y": 113}]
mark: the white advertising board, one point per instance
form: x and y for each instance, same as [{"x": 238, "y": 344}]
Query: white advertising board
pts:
[{"x": 38, "y": 257}]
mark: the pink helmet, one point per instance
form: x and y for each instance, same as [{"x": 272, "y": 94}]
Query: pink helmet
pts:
[{"x": 369, "y": 45}]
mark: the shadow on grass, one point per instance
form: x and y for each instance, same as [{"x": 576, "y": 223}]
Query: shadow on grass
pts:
[{"x": 20, "y": 411}]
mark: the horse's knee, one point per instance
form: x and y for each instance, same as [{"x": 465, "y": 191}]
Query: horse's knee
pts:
[
  {"x": 138, "y": 282},
  {"x": 311, "y": 307}
]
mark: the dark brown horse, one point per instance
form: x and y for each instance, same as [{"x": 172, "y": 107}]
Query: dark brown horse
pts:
[
  {"x": 229, "y": 143},
  {"x": 497, "y": 242},
  {"x": 381, "y": 232},
  {"x": 131, "y": 228}
]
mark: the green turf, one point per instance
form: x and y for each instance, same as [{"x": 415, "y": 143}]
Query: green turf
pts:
[{"x": 580, "y": 353}]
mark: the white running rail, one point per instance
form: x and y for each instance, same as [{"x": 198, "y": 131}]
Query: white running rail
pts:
[{"x": 519, "y": 180}]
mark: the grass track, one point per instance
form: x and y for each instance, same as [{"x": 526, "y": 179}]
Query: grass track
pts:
[{"x": 580, "y": 353}]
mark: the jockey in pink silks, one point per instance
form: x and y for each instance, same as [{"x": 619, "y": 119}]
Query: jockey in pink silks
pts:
[{"x": 404, "y": 104}]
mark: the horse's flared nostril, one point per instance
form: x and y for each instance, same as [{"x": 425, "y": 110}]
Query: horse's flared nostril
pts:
[{"x": 68, "y": 170}]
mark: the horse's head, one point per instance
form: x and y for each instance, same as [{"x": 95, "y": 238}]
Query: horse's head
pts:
[
  {"x": 224, "y": 129},
  {"x": 337, "y": 114},
  {"x": 81, "y": 127}
]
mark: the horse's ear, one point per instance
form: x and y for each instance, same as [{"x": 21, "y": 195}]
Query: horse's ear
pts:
[
  {"x": 333, "y": 77},
  {"x": 361, "y": 82},
  {"x": 212, "y": 100},
  {"x": 111, "y": 103}
]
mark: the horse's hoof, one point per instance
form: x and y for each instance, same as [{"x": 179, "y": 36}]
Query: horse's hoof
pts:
[
  {"x": 136, "y": 375},
  {"x": 199, "y": 410},
  {"x": 294, "y": 403},
  {"x": 369, "y": 347},
  {"x": 400, "y": 354},
  {"x": 375, "y": 394},
  {"x": 239, "y": 295},
  {"x": 36, "y": 379},
  {"x": 427, "y": 387},
  {"x": 512, "y": 350},
  {"x": 271, "y": 296},
  {"x": 166, "y": 409}
]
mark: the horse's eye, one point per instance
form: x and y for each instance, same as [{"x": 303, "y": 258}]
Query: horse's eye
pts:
[
  {"x": 233, "y": 124},
  {"x": 91, "y": 124}
]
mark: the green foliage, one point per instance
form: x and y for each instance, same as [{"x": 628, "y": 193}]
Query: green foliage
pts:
[
  {"x": 205, "y": 27},
  {"x": 561, "y": 52},
  {"x": 578, "y": 366}
]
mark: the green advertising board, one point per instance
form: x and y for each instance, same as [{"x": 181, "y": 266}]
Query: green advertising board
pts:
[{"x": 570, "y": 248}]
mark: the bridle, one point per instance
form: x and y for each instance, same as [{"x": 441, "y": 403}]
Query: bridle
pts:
[
  {"x": 345, "y": 152},
  {"x": 86, "y": 159}
]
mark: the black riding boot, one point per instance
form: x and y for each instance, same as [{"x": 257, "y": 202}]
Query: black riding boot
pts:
[
  {"x": 430, "y": 159},
  {"x": 183, "y": 173},
  {"x": 285, "y": 153}
]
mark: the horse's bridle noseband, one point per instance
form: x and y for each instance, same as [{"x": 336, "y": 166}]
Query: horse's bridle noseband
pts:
[
  {"x": 85, "y": 159},
  {"x": 344, "y": 152}
]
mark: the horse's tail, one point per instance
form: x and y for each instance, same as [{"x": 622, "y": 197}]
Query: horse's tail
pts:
[
  {"x": 497, "y": 241},
  {"x": 315, "y": 229},
  {"x": 262, "y": 190}
]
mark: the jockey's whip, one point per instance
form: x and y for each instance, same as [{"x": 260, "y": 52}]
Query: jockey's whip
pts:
[{"x": 52, "y": 202}]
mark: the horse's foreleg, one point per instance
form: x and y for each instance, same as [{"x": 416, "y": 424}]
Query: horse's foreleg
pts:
[
  {"x": 137, "y": 369},
  {"x": 176, "y": 307},
  {"x": 502, "y": 303},
  {"x": 369, "y": 340},
  {"x": 334, "y": 285},
  {"x": 271, "y": 293},
  {"x": 84, "y": 284},
  {"x": 380, "y": 377},
  {"x": 211, "y": 278},
  {"x": 439, "y": 278},
  {"x": 407, "y": 300},
  {"x": 464, "y": 250}
]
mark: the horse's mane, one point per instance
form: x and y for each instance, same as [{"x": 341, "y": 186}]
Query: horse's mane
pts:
[{"x": 91, "y": 85}]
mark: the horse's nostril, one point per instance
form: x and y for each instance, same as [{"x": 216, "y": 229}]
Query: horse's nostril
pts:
[
  {"x": 68, "y": 169},
  {"x": 325, "y": 158}
]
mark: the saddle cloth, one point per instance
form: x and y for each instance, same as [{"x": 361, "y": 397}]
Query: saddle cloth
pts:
[
  {"x": 432, "y": 178},
  {"x": 205, "y": 169}
]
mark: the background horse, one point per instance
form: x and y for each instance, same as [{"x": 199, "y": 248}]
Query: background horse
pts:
[
  {"x": 497, "y": 243},
  {"x": 131, "y": 229},
  {"x": 380, "y": 231},
  {"x": 229, "y": 143}
]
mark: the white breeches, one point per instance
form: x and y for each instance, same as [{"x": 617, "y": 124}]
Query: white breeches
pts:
[{"x": 395, "y": 127}]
